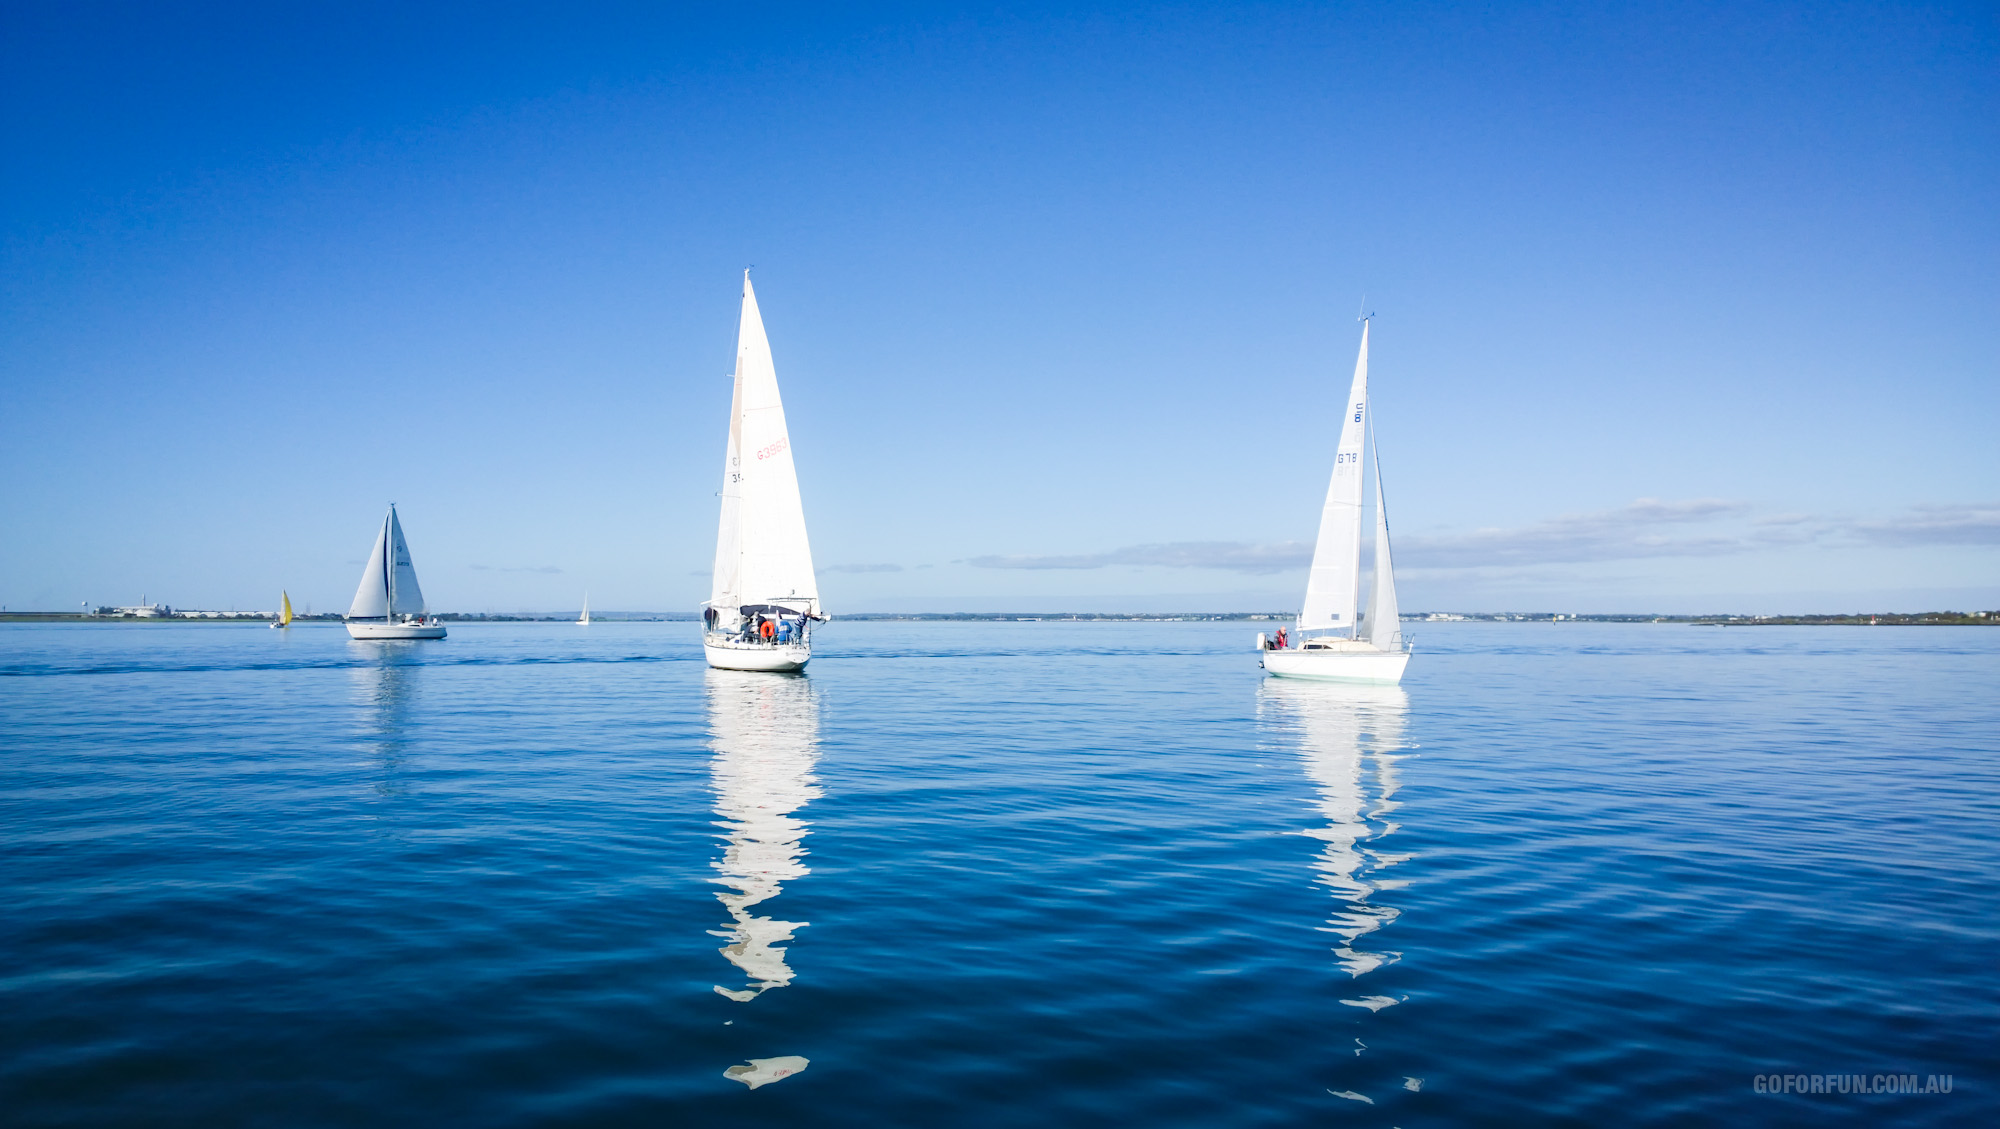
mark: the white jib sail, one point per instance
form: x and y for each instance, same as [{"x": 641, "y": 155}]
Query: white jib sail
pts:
[
  {"x": 1385, "y": 620},
  {"x": 1333, "y": 590},
  {"x": 388, "y": 571},
  {"x": 761, "y": 552}
]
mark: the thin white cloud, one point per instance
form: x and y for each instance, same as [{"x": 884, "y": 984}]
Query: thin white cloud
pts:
[
  {"x": 1655, "y": 510},
  {"x": 1630, "y": 532},
  {"x": 1974, "y": 524},
  {"x": 1234, "y": 556},
  {"x": 862, "y": 568},
  {"x": 1643, "y": 529}
]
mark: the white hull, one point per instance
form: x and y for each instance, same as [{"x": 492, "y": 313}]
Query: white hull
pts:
[
  {"x": 785, "y": 657},
  {"x": 1380, "y": 668},
  {"x": 395, "y": 630}
]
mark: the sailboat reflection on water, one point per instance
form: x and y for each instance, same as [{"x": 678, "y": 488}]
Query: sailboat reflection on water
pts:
[
  {"x": 1347, "y": 737},
  {"x": 1340, "y": 732},
  {"x": 386, "y": 708},
  {"x": 764, "y": 731}
]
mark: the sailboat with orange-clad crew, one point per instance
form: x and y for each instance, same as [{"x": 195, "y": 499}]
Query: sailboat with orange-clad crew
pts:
[{"x": 763, "y": 597}]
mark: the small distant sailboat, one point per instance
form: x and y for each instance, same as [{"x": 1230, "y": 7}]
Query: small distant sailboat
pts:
[
  {"x": 1338, "y": 641},
  {"x": 584, "y": 619},
  {"x": 390, "y": 604},
  {"x": 763, "y": 599},
  {"x": 285, "y": 614}
]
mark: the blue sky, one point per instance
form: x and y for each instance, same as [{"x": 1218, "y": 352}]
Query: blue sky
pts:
[{"x": 1680, "y": 308}]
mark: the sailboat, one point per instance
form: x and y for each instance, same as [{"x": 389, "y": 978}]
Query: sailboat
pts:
[
  {"x": 390, "y": 604},
  {"x": 763, "y": 599},
  {"x": 584, "y": 619},
  {"x": 1338, "y": 640},
  {"x": 285, "y": 614}
]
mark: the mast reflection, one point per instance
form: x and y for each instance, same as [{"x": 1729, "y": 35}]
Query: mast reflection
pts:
[
  {"x": 764, "y": 729},
  {"x": 1340, "y": 732}
]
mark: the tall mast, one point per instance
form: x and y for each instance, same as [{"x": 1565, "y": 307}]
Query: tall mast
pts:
[
  {"x": 389, "y": 562},
  {"x": 1367, "y": 428}
]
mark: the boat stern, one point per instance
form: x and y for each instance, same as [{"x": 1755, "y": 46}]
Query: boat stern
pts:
[{"x": 782, "y": 658}]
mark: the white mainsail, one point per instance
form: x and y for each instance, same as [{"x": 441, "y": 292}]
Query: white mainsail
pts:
[
  {"x": 761, "y": 552},
  {"x": 1333, "y": 590},
  {"x": 389, "y": 581}
]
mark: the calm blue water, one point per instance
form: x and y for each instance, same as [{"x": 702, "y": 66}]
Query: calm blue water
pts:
[{"x": 994, "y": 874}]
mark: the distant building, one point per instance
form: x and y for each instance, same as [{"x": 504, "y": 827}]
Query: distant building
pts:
[{"x": 139, "y": 611}]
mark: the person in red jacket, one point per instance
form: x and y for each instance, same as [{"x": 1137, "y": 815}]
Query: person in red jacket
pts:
[{"x": 1282, "y": 644}]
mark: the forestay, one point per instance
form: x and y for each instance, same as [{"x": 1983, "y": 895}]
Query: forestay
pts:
[
  {"x": 1333, "y": 591},
  {"x": 761, "y": 552}
]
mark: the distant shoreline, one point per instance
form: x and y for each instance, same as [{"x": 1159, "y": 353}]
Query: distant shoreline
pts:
[{"x": 1879, "y": 619}]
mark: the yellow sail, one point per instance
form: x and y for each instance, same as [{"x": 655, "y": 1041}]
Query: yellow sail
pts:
[{"x": 285, "y": 617}]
